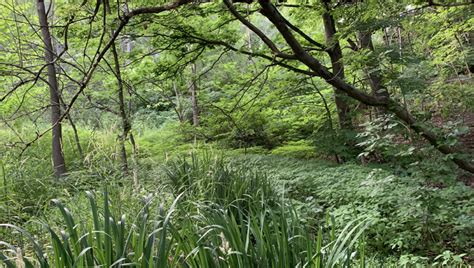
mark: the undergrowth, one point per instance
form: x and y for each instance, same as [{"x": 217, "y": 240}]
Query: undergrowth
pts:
[
  {"x": 234, "y": 208},
  {"x": 409, "y": 214},
  {"x": 238, "y": 222}
]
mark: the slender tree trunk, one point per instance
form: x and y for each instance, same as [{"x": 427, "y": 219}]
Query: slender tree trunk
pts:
[
  {"x": 125, "y": 122},
  {"x": 249, "y": 34},
  {"x": 128, "y": 45},
  {"x": 335, "y": 53},
  {"x": 122, "y": 111},
  {"x": 59, "y": 165},
  {"x": 371, "y": 70},
  {"x": 193, "y": 92},
  {"x": 386, "y": 37}
]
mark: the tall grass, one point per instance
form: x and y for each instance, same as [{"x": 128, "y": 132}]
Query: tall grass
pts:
[
  {"x": 208, "y": 177},
  {"x": 214, "y": 237},
  {"x": 219, "y": 217}
]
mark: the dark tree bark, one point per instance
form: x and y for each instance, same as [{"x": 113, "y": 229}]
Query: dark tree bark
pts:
[
  {"x": 193, "y": 92},
  {"x": 335, "y": 53},
  {"x": 59, "y": 164}
]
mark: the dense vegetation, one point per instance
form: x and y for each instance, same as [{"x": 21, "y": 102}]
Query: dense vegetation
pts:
[{"x": 242, "y": 133}]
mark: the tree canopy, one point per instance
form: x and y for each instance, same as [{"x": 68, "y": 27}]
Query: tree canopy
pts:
[{"x": 117, "y": 88}]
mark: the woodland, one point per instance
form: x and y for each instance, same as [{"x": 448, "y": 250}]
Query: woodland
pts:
[{"x": 236, "y": 133}]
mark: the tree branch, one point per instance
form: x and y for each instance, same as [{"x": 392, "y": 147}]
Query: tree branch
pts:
[{"x": 257, "y": 31}]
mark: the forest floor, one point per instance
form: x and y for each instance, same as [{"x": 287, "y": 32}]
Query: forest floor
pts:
[{"x": 410, "y": 216}]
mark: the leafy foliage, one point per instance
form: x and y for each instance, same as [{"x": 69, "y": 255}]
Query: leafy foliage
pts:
[
  {"x": 408, "y": 215},
  {"x": 272, "y": 175},
  {"x": 221, "y": 234}
]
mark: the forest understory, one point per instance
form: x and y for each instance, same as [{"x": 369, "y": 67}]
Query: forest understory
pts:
[{"x": 194, "y": 133}]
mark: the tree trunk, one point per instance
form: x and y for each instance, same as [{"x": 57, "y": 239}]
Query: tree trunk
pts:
[
  {"x": 371, "y": 70},
  {"x": 375, "y": 79},
  {"x": 59, "y": 165},
  {"x": 122, "y": 111},
  {"x": 335, "y": 53},
  {"x": 125, "y": 122},
  {"x": 193, "y": 92}
]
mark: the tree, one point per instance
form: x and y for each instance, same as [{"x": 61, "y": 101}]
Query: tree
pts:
[
  {"x": 126, "y": 125},
  {"x": 290, "y": 54},
  {"x": 270, "y": 11},
  {"x": 335, "y": 53},
  {"x": 59, "y": 164}
]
